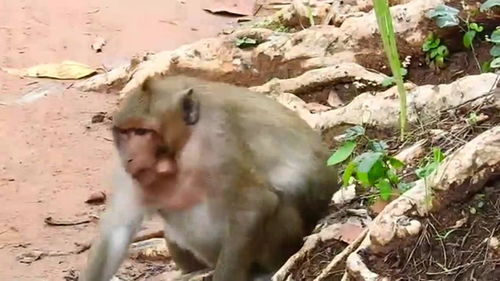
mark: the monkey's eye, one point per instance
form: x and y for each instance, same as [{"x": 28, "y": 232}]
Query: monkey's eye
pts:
[
  {"x": 121, "y": 131},
  {"x": 141, "y": 132}
]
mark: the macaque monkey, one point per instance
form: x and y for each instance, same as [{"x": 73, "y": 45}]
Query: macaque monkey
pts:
[{"x": 238, "y": 179}]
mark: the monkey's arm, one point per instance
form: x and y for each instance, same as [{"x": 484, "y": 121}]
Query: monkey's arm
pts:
[
  {"x": 118, "y": 226},
  {"x": 244, "y": 233}
]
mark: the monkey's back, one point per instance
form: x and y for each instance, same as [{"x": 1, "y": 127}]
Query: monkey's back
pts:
[{"x": 282, "y": 146}]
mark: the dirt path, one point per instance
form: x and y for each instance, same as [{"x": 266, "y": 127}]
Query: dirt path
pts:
[{"x": 51, "y": 155}]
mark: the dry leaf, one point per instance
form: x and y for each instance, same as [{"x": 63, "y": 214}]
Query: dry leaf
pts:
[
  {"x": 65, "y": 222},
  {"x": 348, "y": 232},
  {"x": 380, "y": 204},
  {"x": 153, "y": 249},
  {"x": 235, "y": 7},
  {"x": 99, "y": 197},
  {"x": 344, "y": 195},
  {"x": 334, "y": 100},
  {"x": 64, "y": 70}
]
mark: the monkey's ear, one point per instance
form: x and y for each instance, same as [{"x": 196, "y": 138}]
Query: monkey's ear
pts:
[{"x": 190, "y": 107}]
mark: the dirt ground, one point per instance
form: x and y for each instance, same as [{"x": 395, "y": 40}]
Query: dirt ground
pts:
[{"x": 51, "y": 156}]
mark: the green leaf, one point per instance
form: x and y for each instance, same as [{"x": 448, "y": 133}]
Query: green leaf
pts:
[
  {"x": 495, "y": 51},
  {"x": 489, "y": 4},
  {"x": 437, "y": 155},
  {"x": 392, "y": 176},
  {"x": 349, "y": 170},
  {"x": 342, "y": 153},
  {"x": 369, "y": 167},
  {"x": 384, "y": 189},
  {"x": 444, "y": 15},
  {"x": 443, "y": 51},
  {"x": 427, "y": 45},
  {"x": 468, "y": 38},
  {"x": 389, "y": 81},
  {"x": 431, "y": 42},
  {"x": 378, "y": 146},
  {"x": 439, "y": 61},
  {"x": 472, "y": 118},
  {"x": 378, "y": 171},
  {"x": 485, "y": 66},
  {"x": 434, "y": 53},
  {"x": 476, "y": 27},
  {"x": 354, "y": 132},
  {"x": 426, "y": 170},
  {"x": 495, "y": 63},
  {"x": 245, "y": 42},
  {"x": 495, "y": 36},
  {"x": 396, "y": 163}
]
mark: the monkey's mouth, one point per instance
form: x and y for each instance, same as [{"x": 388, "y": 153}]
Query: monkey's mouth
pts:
[
  {"x": 151, "y": 181},
  {"x": 145, "y": 177}
]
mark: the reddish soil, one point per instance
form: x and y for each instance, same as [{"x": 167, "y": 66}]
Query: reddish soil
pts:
[
  {"x": 52, "y": 156},
  {"x": 453, "y": 244}
]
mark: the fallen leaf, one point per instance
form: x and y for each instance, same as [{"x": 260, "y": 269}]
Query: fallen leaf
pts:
[
  {"x": 344, "y": 195},
  {"x": 152, "y": 250},
  {"x": 349, "y": 232},
  {"x": 63, "y": 71},
  {"x": 235, "y": 7},
  {"x": 99, "y": 117},
  {"x": 63, "y": 222},
  {"x": 99, "y": 197},
  {"x": 98, "y": 44},
  {"x": 334, "y": 100},
  {"x": 380, "y": 204}
]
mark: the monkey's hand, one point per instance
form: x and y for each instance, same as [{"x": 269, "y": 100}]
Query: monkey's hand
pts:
[{"x": 117, "y": 228}]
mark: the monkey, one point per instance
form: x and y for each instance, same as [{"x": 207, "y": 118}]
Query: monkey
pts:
[{"x": 238, "y": 179}]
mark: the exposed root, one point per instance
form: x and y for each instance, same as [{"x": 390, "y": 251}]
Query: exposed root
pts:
[
  {"x": 463, "y": 173},
  {"x": 278, "y": 54}
]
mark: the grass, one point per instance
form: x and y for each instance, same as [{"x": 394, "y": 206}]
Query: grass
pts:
[{"x": 384, "y": 20}]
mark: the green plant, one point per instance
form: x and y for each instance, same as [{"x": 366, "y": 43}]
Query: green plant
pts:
[
  {"x": 472, "y": 119},
  {"x": 389, "y": 81},
  {"x": 446, "y": 16},
  {"x": 373, "y": 168},
  {"x": 430, "y": 164},
  {"x": 245, "y": 42},
  {"x": 489, "y": 4},
  {"x": 470, "y": 34},
  {"x": 495, "y": 49},
  {"x": 310, "y": 16},
  {"x": 435, "y": 52},
  {"x": 273, "y": 25},
  {"x": 384, "y": 21}
]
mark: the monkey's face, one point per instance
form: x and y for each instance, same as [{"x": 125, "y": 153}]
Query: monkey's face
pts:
[{"x": 143, "y": 155}]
